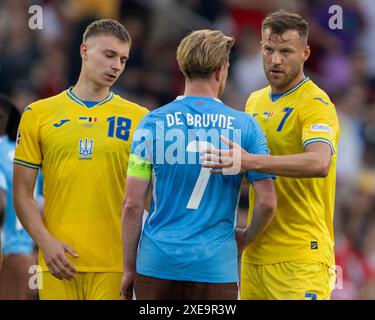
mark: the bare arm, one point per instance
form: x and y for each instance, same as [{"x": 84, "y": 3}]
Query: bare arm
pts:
[
  {"x": 3, "y": 199},
  {"x": 29, "y": 215},
  {"x": 2, "y": 206},
  {"x": 264, "y": 210},
  {"x": 148, "y": 200},
  {"x": 2, "y": 210},
  {"x": 25, "y": 205},
  {"x": 132, "y": 212},
  {"x": 314, "y": 162}
]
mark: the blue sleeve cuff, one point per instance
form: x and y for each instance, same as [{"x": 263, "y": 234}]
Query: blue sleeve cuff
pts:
[{"x": 254, "y": 176}]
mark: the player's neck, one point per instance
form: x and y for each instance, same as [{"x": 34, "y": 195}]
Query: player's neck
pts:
[
  {"x": 89, "y": 91},
  {"x": 296, "y": 80},
  {"x": 200, "y": 88}
]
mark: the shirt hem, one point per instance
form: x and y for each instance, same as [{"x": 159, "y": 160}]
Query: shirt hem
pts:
[
  {"x": 248, "y": 260},
  {"x": 90, "y": 269},
  {"x": 175, "y": 277}
]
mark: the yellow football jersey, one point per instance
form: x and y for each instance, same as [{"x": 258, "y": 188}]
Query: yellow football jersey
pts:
[
  {"x": 83, "y": 154},
  {"x": 302, "y": 228}
]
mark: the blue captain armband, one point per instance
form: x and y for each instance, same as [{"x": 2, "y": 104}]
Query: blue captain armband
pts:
[{"x": 139, "y": 167}]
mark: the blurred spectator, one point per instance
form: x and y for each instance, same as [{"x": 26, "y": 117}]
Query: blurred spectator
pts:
[
  {"x": 368, "y": 35},
  {"x": 21, "y": 49},
  {"x": 247, "y": 70},
  {"x": 350, "y": 254},
  {"x": 350, "y": 106},
  {"x": 353, "y": 24},
  {"x": 250, "y": 13},
  {"x": 80, "y": 9}
]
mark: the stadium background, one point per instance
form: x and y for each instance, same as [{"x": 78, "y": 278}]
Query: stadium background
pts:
[{"x": 36, "y": 64}]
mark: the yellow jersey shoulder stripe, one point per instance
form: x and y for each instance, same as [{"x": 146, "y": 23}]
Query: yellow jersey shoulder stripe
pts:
[
  {"x": 324, "y": 140},
  {"x": 26, "y": 164}
]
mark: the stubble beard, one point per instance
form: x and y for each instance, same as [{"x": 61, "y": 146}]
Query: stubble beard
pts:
[{"x": 283, "y": 83}]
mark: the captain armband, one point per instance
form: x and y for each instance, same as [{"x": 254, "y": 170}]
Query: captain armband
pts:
[{"x": 139, "y": 167}]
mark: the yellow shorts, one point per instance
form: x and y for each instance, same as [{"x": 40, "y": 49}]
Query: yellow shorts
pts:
[
  {"x": 84, "y": 286},
  {"x": 292, "y": 280}
]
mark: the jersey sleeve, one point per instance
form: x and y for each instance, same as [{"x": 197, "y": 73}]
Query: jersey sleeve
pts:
[
  {"x": 3, "y": 181},
  {"x": 28, "y": 149},
  {"x": 249, "y": 105},
  {"x": 257, "y": 145},
  {"x": 319, "y": 122},
  {"x": 141, "y": 153}
]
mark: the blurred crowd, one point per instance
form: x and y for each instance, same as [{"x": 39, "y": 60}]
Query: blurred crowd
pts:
[{"x": 36, "y": 64}]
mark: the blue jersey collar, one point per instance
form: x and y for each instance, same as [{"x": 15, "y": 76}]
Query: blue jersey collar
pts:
[{"x": 198, "y": 97}]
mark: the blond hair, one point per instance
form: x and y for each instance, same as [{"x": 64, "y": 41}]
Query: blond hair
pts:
[{"x": 203, "y": 52}]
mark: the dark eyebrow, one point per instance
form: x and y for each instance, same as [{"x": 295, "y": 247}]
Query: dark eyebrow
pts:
[
  {"x": 115, "y": 53},
  {"x": 287, "y": 48}
]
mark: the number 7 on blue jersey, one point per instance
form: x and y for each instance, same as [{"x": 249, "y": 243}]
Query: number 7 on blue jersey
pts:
[{"x": 204, "y": 175}]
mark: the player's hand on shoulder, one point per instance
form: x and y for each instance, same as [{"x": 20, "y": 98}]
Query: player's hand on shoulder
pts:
[
  {"x": 228, "y": 161},
  {"x": 54, "y": 253}
]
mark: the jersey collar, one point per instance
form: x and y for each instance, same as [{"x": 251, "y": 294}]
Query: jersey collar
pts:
[
  {"x": 199, "y": 97},
  {"x": 72, "y": 96},
  {"x": 276, "y": 96}
]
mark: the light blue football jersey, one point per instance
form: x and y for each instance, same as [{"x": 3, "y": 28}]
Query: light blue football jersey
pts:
[
  {"x": 15, "y": 239},
  {"x": 189, "y": 234}
]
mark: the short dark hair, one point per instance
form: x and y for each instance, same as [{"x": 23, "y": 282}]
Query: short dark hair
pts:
[
  {"x": 107, "y": 27},
  {"x": 14, "y": 116},
  {"x": 281, "y": 21}
]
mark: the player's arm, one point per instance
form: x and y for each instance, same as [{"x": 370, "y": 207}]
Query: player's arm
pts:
[
  {"x": 3, "y": 190},
  {"x": 319, "y": 131},
  {"x": 263, "y": 212},
  {"x": 314, "y": 162},
  {"x": 28, "y": 213},
  {"x": 137, "y": 186},
  {"x": 2, "y": 210},
  {"x": 2, "y": 205}
]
